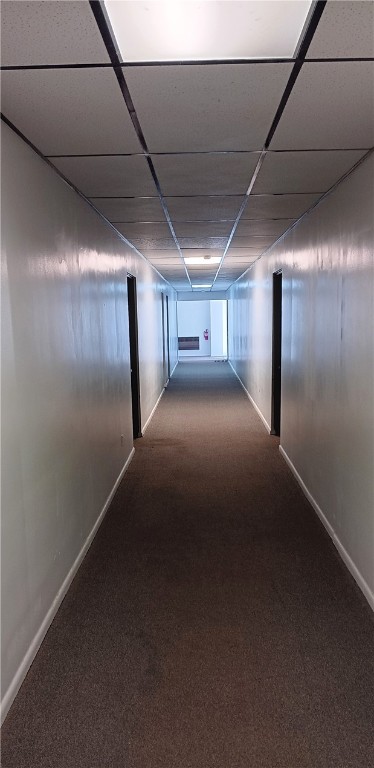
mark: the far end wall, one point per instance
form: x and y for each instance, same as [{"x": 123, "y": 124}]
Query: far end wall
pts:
[{"x": 327, "y": 405}]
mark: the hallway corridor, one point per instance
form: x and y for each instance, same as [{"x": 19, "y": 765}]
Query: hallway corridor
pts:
[{"x": 212, "y": 624}]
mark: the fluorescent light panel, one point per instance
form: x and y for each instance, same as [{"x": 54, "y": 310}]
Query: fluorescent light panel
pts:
[
  {"x": 207, "y": 285},
  {"x": 201, "y": 262},
  {"x": 190, "y": 30}
]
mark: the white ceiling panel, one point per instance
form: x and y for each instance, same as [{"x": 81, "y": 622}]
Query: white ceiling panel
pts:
[
  {"x": 203, "y": 229},
  {"x": 175, "y": 261},
  {"x": 253, "y": 243},
  {"x": 113, "y": 176},
  {"x": 144, "y": 231},
  {"x": 290, "y": 172},
  {"x": 203, "y": 242},
  {"x": 52, "y": 32},
  {"x": 244, "y": 253},
  {"x": 205, "y": 108},
  {"x": 172, "y": 259},
  {"x": 262, "y": 230},
  {"x": 171, "y": 269},
  {"x": 69, "y": 111},
  {"x": 238, "y": 262},
  {"x": 344, "y": 31},
  {"x": 205, "y": 174},
  {"x": 244, "y": 242},
  {"x": 198, "y": 275},
  {"x": 331, "y": 107},
  {"x": 191, "y": 252},
  {"x": 150, "y": 243},
  {"x": 122, "y": 209},
  {"x": 277, "y": 206},
  {"x": 213, "y": 208},
  {"x": 190, "y": 30}
]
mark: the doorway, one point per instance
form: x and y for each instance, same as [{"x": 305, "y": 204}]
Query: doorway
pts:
[
  {"x": 134, "y": 355},
  {"x": 165, "y": 337},
  {"x": 276, "y": 355}
]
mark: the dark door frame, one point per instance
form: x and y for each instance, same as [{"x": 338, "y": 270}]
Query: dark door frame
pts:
[
  {"x": 276, "y": 376},
  {"x": 134, "y": 355},
  {"x": 167, "y": 335}
]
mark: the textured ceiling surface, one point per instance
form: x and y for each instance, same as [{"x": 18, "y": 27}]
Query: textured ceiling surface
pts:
[{"x": 187, "y": 159}]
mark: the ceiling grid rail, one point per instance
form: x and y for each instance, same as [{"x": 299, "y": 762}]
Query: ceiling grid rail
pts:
[
  {"x": 298, "y": 63},
  {"x": 104, "y": 29}
]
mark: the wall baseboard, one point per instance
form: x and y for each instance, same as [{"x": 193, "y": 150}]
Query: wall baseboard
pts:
[
  {"x": 27, "y": 660},
  {"x": 266, "y": 425},
  {"x": 330, "y": 530},
  {"x": 147, "y": 423},
  {"x": 174, "y": 369},
  {"x": 155, "y": 406}
]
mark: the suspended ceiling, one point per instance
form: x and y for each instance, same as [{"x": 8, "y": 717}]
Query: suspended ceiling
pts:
[{"x": 203, "y": 158}]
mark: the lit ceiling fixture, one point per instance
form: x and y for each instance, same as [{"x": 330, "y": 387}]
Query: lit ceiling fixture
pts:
[
  {"x": 189, "y": 30},
  {"x": 206, "y": 285},
  {"x": 205, "y": 261}
]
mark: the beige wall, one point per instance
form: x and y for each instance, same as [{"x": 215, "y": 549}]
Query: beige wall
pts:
[
  {"x": 327, "y": 368},
  {"x": 65, "y": 386}
]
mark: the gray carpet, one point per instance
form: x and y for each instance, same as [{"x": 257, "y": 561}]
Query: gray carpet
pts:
[{"x": 212, "y": 624}]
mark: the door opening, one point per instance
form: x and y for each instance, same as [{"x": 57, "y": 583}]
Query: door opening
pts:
[
  {"x": 134, "y": 355},
  {"x": 167, "y": 336},
  {"x": 277, "y": 355}
]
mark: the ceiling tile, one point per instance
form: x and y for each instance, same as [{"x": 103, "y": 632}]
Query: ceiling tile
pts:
[
  {"x": 277, "y": 206},
  {"x": 114, "y": 176},
  {"x": 50, "y": 33},
  {"x": 122, "y": 209},
  {"x": 242, "y": 253},
  {"x": 205, "y": 174},
  {"x": 331, "y": 107},
  {"x": 151, "y": 243},
  {"x": 243, "y": 242},
  {"x": 203, "y": 108},
  {"x": 207, "y": 208},
  {"x": 232, "y": 261},
  {"x": 221, "y": 285},
  {"x": 172, "y": 262},
  {"x": 203, "y": 229},
  {"x": 69, "y": 111},
  {"x": 290, "y": 172},
  {"x": 261, "y": 231},
  {"x": 202, "y": 275},
  {"x": 145, "y": 231},
  {"x": 202, "y": 242},
  {"x": 344, "y": 31},
  {"x": 173, "y": 270}
]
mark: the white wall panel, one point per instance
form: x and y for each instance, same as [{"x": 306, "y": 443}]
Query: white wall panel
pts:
[
  {"x": 193, "y": 320},
  {"x": 65, "y": 384},
  {"x": 327, "y": 362}
]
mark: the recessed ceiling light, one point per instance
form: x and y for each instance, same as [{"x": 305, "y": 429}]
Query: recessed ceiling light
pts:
[
  {"x": 190, "y": 30},
  {"x": 207, "y": 285},
  {"x": 202, "y": 261}
]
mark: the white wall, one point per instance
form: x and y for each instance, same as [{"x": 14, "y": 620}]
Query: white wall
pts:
[
  {"x": 218, "y": 324},
  {"x": 193, "y": 319},
  {"x": 65, "y": 387},
  {"x": 327, "y": 364}
]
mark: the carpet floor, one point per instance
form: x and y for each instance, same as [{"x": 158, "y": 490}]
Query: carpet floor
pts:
[{"x": 212, "y": 623}]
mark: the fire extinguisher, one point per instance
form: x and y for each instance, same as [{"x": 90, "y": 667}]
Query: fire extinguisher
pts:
[{"x": 206, "y": 334}]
